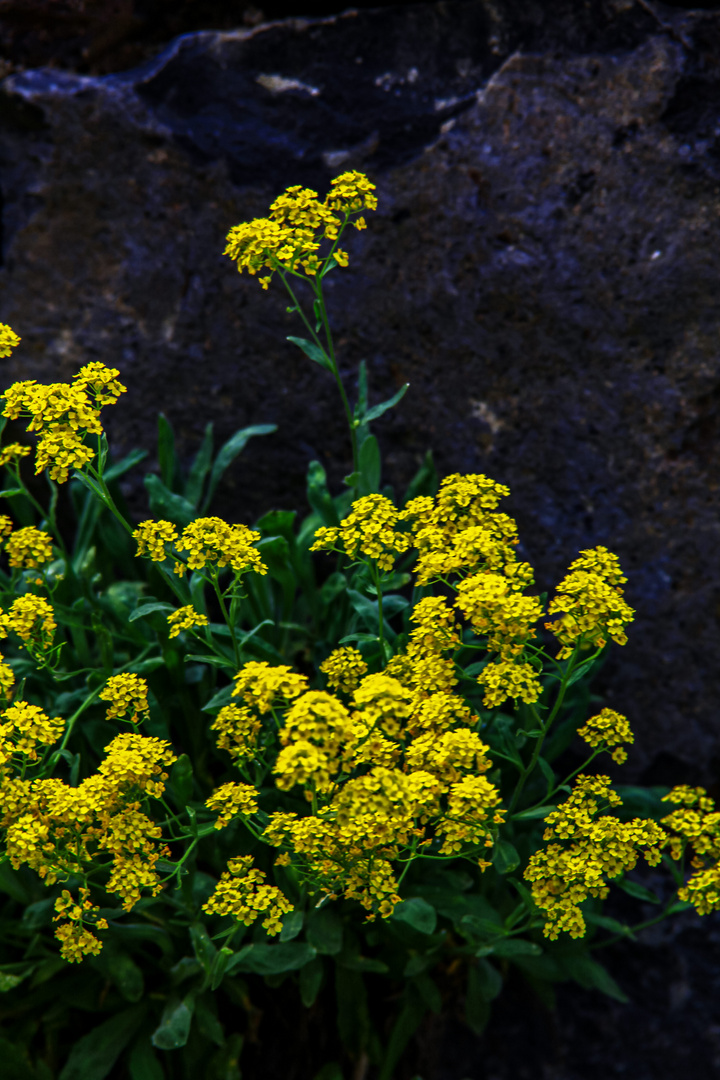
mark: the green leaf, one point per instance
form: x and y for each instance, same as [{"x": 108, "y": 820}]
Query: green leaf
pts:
[
  {"x": 607, "y": 923},
  {"x": 505, "y": 857},
  {"x": 548, "y": 772},
  {"x": 93, "y": 1056},
  {"x": 314, "y": 352},
  {"x": 228, "y": 452},
  {"x": 512, "y": 946},
  {"x": 166, "y": 452},
  {"x": 219, "y": 966},
  {"x": 149, "y": 609},
  {"x": 221, "y": 698},
  {"x": 205, "y": 951},
  {"x": 10, "y": 979},
  {"x": 120, "y": 968},
  {"x": 325, "y": 931},
  {"x": 425, "y": 481},
  {"x": 206, "y": 1019},
  {"x": 477, "y": 1001},
  {"x": 142, "y": 1063},
  {"x": 369, "y": 466},
  {"x": 488, "y": 978},
  {"x": 591, "y": 975},
  {"x": 534, "y": 812},
  {"x": 272, "y": 959},
  {"x": 174, "y": 1028},
  {"x": 9, "y": 493},
  {"x": 417, "y": 913},
  {"x": 319, "y": 496},
  {"x": 377, "y": 410},
  {"x": 353, "y": 1019},
  {"x": 403, "y": 1030},
  {"x": 428, "y": 991},
  {"x": 581, "y": 670},
  {"x": 330, "y": 1071},
  {"x": 181, "y": 781},
  {"x": 292, "y": 925},
  {"x": 310, "y": 978},
  {"x": 632, "y": 888},
  {"x": 200, "y": 468},
  {"x": 166, "y": 504},
  {"x": 124, "y": 465}
]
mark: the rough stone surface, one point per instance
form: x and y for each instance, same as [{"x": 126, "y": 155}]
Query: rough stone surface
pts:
[{"x": 543, "y": 269}]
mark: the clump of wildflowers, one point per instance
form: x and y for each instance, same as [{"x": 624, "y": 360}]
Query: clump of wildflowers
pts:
[
  {"x": 595, "y": 847},
  {"x": 8, "y": 340},
  {"x": 128, "y": 697},
  {"x": 28, "y": 548},
  {"x": 243, "y": 893},
  {"x": 344, "y": 668},
  {"x": 211, "y": 541},
  {"x": 370, "y": 530},
  {"x": 290, "y": 238},
  {"x": 591, "y": 603},
  {"x": 32, "y": 619},
  {"x": 262, "y": 686},
  {"x": 185, "y": 618},
  {"x": 695, "y": 823},
  {"x": 608, "y": 729}
]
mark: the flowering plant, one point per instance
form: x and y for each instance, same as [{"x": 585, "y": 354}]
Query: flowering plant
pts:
[{"x": 225, "y": 757}]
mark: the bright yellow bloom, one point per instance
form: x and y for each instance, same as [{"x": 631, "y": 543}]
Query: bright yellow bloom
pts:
[
  {"x": 8, "y": 340},
  {"x": 127, "y": 694},
  {"x": 185, "y": 618},
  {"x": 23, "y": 727},
  {"x": 263, "y": 686},
  {"x": 211, "y": 541},
  {"x": 384, "y": 702},
  {"x": 77, "y": 942},
  {"x": 370, "y": 529},
  {"x": 696, "y": 822},
  {"x": 488, "y": 601},
  {"x": 242, "y": 893},
  {"x": 449, "y": 755},
  {"x": 32, "y": 619},
  {"x": 13, "y": 452},
  {"x": 507, "y": 679},
  {"x": 344, "y": 668},
  {"x": 101, "y": 381},
  {"x": 6, "y": 525},
  {"x": 28, "y": 547},
  {"x": 608, "y": 729},
  {"x": 232, "y": 800},
  {"x": 134, "y": 761},
  {"x": 472, "y": 811},
  {"x": 239, "y": 729},
  {"x": 591, "y": 603},
  {"x": 601, "y": 847},
  {"x": 151, "y": 538}
]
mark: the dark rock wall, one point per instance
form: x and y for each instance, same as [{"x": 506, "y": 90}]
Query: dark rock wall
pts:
[{"x": 543, "y": 268}]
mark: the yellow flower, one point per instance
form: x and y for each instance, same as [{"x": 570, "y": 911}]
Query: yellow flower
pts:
[
  {"x": 211, "y": 541},
  {"x": 344, "y": 668},
  {"x": 608, "y": 729},
  {"x": 505, "y": 678},
  {"x": 24, "y": 726},
  {"x": 28, "y": 547},
  {"x": 489, "y": 602},
  {"x": 243, "y": 894},
  {"x": 238, "y": 728},
  {"x": 370, "y": 530},
  {"x": 151, "y": 538},
  {"x": 8, "y": 340},
  {"x": 185, "y": 618},
  {"x": 32, "y": 619},
  {"x": 127, "y": 693},
  {"x": 232, "y": 800},
  {"x": 12, "y": 452},
  {"x": 263, "y": 686},
  {"x": 591, "y": 603},
  {"x": 101, "y": 381}
]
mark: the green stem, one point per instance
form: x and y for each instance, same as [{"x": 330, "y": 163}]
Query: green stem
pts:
[
  {"x": 226, "y": 617},
  {"x": 378, "y": 588},
  {"x": 107, "y": 499}
]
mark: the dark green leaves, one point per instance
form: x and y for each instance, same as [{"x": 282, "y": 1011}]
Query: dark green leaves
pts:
[
  {"x": 174, "y": 1028},
  {"x": 417, "y": 913},
  {"x": 94, "y": 1055},
  {"x": 314, "y": 352}
]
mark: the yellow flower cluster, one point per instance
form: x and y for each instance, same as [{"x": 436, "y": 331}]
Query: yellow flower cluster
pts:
[
  {"x": 242, "y": 893},
  {"x": 263, "y": 686},
  {"x": 128, "y": 697},
  {"x": 591, "y": 603},
  {"x": 317, "y": 737},
  {"x": 7, "y": 681},
  {"x": 208, "y": 541},
  {"x": 62, "y": 831},
  {"x": 505, "y": 679},
  {"x": 28, "y": 548},
  {"x": 13, "y": 452},
  {"x": 607, "y": 729},
  {"x": 76, "y": 940},
  {"x": 291, "y": 236},
  {"x": 185, "y": 618},
  {"x": 490, "y": 603},
  {"x": 344, "y": 668},
  {"x": 32, "y": 619},
  {"x": 696, "y": 822},
  {"x": 62, "y": 414},
  {"x": 8, "y": 340},
  {"x": 232, "y": 800},
  {"x": 370, "y": 530},
  {"x": 238, "y": 730},
  {"x": 23, "y": 727},
  {"x": 596, "y": 848}
]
